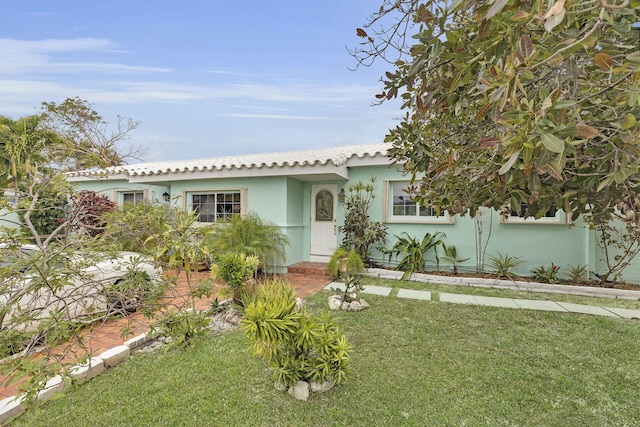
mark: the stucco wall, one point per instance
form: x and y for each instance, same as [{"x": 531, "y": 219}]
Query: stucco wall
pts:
[{"x": 535, "y": 242}]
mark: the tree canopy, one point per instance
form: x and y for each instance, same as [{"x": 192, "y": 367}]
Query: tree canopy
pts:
[{"x": 514, "y": 103}]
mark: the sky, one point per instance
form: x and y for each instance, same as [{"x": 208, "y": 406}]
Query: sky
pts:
[{"x": 205, "y": 78}]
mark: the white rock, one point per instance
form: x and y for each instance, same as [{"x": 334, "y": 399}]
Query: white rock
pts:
[
  {"x": 335, "y": 302},
  {"x": 325, "y": 385},
  {"x": 300, "y": 391}
]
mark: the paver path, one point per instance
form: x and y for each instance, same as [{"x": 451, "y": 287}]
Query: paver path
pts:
[
  {"x": 103, "y": 336},
  {"x": 514, "y": 303}
]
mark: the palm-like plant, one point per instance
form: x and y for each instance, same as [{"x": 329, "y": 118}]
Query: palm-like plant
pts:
[
  {"x": 451, "y": 256},
  {"x": 413, "y": 251},
  {"x": 249, "y": 235}
]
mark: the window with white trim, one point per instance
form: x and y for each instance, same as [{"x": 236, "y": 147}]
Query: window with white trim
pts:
[
  {"x": 215, "y": 206},
  {"x": 132, "y": 198},
  {"x": 401, "y": 207},
  {"x": 552, "y": 216}
]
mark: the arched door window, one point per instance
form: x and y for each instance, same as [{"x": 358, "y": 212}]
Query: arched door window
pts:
[{"x": 324, "y": 206}]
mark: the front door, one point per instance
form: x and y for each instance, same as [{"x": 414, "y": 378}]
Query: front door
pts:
[{"x": 323, "y": 222}]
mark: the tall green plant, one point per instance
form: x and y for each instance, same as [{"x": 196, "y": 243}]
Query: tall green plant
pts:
[
  {"x": 180, "y": 246},
  {"x": 360, "y": 232},
  {"x": 251, "y": 235},
  {"x": 296, "y": 345},
  {"x": 412, "y": 251}
]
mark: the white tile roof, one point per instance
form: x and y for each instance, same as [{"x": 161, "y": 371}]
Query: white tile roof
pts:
[{"x": 337, "y": 156}]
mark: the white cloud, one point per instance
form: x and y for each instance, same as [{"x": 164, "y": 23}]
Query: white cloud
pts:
[
  {"x": 41, "y": 57},
  {"x": 275, "y": 116}
]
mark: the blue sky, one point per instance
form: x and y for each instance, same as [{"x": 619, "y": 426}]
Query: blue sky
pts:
[{"x": 204, "y": 78}]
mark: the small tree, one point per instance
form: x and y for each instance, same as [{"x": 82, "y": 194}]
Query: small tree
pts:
[{"x": 360, "y": 232}]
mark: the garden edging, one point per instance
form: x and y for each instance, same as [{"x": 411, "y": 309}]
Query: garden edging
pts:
[{"x": 587, "y": 291}]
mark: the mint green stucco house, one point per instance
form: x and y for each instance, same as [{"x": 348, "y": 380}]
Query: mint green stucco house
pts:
[{"x": 300, "y": 191}]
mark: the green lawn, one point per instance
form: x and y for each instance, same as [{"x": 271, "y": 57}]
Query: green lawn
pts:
[{"x": 415, "y": 363}]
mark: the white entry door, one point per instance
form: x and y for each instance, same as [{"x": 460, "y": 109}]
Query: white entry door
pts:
[{"x": 323, "y": 222}]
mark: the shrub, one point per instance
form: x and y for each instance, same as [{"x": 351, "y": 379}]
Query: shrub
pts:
[
  {"x": 546, "y": 275},
  {"x": 89, "y": 209},
  {"x": 502, "y": 265},
  {"x": 234, "y": 269},
  {"x": 132, "y": 229},
  {"x": 250, "y": 235},
  {"x": 296, "y": 345},
  {"x": 348, "y": 266},
  {"x": 577, "y": 273},
  {"x": 360, "y": 233},
  {"x": 181, "y": 327},
  {"x": 413, "y": 252},
  {"x": 451, "y": 256}
]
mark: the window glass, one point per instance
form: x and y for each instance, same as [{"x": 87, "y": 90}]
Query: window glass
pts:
[
  {"x": 324, "y": 206},
  {"x": 212, "y": 207},
  {"x": 404, "y": 205},
  {"x": 132, "y": 198}
]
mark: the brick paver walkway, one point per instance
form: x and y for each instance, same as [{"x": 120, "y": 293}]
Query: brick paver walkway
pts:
[{"x": 106, "y": 335}]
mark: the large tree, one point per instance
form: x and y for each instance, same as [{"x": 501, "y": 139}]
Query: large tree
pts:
[
  {"x": 514, "y": 102},
  {"x": 86, "y": 139}
]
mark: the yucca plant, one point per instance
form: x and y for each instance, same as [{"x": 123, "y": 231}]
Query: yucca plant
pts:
[
  {"x": 577, "y": 273},
  {"x": 296, "y": 345},
  {"x": 502, "y": 265}
]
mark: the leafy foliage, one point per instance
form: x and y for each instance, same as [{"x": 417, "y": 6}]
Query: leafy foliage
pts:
[
  {"x": 348, "y": 266},
  {"x": 516, "y": 102},
  {"x": 50, "y": 210},
  {"x": 451, "y": 256},
  {"x": 360, "y": 232},
  {"x": 413, "y": 252},
  {"x": 503, "y": 265},
  {"x": 296, "y": 345},
  {"x": 85, "y": 139},
  {"x": 234, "y": 269},
  {"x": 182, "y": 327},
  {"x": 90, "y": 208},
  {"x": 250, "y": 235},
  {"x": 131, "y": 229},
  {"x": 577, "y": 273},
  {"x": 546, "y": 275}
]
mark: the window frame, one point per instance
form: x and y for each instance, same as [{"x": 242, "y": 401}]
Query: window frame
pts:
[
  {"x": 188, "y": 196},
  {"x": 560, "y": 218},
  {"x": 122, "y": 193},
  {"x": 390, "y": 217}
]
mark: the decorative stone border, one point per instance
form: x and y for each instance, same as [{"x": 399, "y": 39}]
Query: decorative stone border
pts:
[
  {"x": 12, "y": 407},
  {"x": 587, "y": 291}
]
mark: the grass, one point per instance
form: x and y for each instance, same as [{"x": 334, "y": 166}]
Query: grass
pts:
[{"x": 415, "y": 363}]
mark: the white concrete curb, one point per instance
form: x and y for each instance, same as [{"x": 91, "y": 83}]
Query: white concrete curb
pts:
[{"x": 587, "y": 291}]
